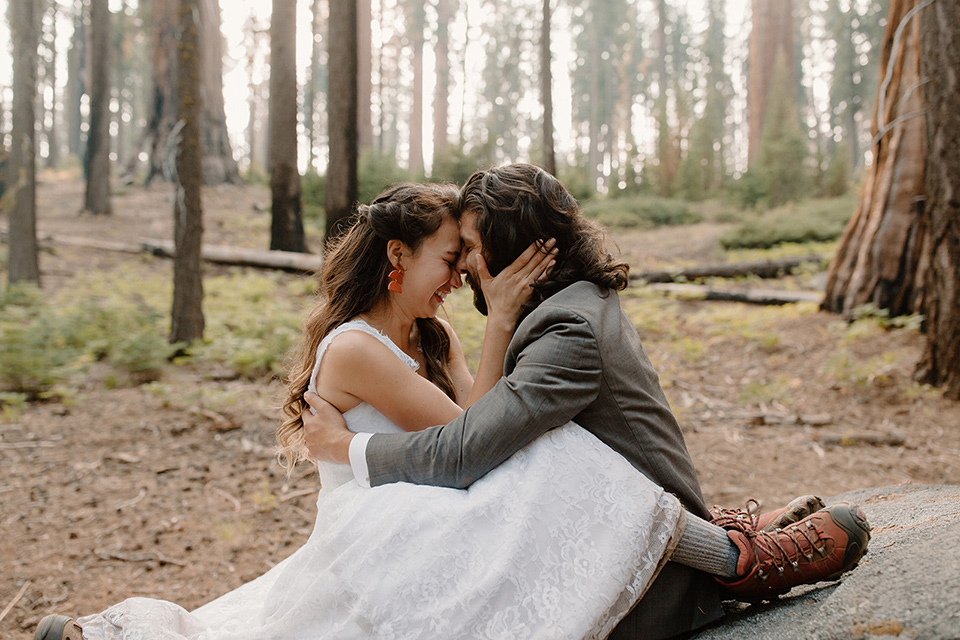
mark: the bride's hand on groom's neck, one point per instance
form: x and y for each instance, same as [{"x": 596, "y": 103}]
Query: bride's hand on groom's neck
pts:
[{"x": 326, "y": 433}]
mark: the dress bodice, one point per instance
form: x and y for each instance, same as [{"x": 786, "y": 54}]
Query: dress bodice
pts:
[{"x": 362, "y": 418}]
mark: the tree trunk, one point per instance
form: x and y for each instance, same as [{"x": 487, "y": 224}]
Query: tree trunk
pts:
[
  {"x": 365, "y": 73},
  {"x": 771, "y": 36},
  {"x": 217, "y": 154},
  {"x": 441, "y": 98},
  {"x": 313, "y": 86},
  {"x": 881, "y": 256},
  {"x": 76, "y": 72},
  {"x": 668, "y": 168},
  {"x": 97, "y": 161},
  {"x": 219, "y": 165},
  {"x": 940, "y": 58},
  {"x": 416, "y": 112},
  {"x": 286, "y": 229},
  {"x": 20, "y": 197},
  {"x": 342, "y": 116},
  {"x": 53, "y": 131},
  {"x": 187, "y": 314},
  {"x": 546, "y": 92}
]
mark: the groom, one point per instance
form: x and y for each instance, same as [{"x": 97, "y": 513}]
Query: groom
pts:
[{"x": 575, "y": 356}]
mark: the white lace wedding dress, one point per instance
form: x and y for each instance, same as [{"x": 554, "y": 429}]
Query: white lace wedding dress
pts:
[{"x": 558, "y": 542}]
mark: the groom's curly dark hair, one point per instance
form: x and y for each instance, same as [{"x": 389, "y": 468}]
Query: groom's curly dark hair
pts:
[{"x": 518, "y": 204}]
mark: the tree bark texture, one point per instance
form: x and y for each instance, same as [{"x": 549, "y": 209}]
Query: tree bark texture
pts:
[
  {"x": 546, "y": 91},
  {"x": 771, "y": 36},
  {"x": 97, "y": 160},
  {"x": 219, "y": 166},
  {"x": 342, "y": 117},
  {"x": 187, "y": 313},
  {"x": 881, "y": 256},
  {"x": 286, "y": 229},
  {"x": 20, "y": 193},
  {"x": 940, "y": 63},
  {"x": 217, "y": 153},
  {"x": 365, "y": 73}
]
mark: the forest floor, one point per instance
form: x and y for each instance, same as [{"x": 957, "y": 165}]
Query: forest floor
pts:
[{"x": 171, "y": 490}]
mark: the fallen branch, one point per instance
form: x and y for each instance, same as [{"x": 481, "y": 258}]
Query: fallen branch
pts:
[
  {"x": 754, "y": 296},
  {"x": 15, "y": 600},
  {"x": 150, "y": 557},
  {"x": 217, "y": 254},
  {"x": 760, "y": 268},
  {"x": 853, "y": 439}
]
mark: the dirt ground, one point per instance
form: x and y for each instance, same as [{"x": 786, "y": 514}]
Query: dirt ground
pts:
[{"x": 123, "y": 492}]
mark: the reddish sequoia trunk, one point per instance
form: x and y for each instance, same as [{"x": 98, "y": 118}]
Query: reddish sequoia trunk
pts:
[
  {"x": 881, "y": 258},
  {"x": 770, "y": 37},
  {"x": 940, "y": 58}
]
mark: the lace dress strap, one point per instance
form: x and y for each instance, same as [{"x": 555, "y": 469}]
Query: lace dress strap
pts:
[{"x": 357, "y": 325}]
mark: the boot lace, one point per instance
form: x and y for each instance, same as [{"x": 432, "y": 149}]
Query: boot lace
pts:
[
  {"x": 769, "y": 547},
  {"x": 737, "y": 518}
]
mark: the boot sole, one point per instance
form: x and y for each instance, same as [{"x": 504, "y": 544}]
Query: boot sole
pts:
[
  {"x": 854, "y": 523},
  {"x": 56, "y": 627},
  {"x": 797, "y": 510}
]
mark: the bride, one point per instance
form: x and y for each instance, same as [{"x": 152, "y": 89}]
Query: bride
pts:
[{"x": 560, "y": 541}]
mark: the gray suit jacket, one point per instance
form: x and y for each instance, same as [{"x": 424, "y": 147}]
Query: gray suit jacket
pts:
[{"x": 575, "y": 357}]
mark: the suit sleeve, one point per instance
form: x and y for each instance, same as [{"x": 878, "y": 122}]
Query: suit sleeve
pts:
[{"x": 557, "y": 374}]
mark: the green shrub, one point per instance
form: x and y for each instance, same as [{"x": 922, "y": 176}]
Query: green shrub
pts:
[
  {"x": 376, "y": 171},
  {"x": 807, "y": 221},
  {"x": 641, "y": 212},
  {"x": 313, "y": 194}
]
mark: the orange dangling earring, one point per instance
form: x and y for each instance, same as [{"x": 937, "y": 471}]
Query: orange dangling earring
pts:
[{"x": 396, "y": 279}]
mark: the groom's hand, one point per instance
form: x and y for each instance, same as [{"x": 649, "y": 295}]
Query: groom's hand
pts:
[{"x": 326, "y": 432}]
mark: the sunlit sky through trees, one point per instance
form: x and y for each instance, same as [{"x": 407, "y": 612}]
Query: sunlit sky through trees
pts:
[{"x": 466, "y": 87}]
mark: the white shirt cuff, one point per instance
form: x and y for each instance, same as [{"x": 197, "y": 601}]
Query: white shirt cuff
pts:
[{"x": 358, "y": 458}]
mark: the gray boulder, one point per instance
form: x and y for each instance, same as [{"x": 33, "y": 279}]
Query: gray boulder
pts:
[{"x": 907, "y": 585}]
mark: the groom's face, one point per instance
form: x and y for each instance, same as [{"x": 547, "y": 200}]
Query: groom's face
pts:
[{"x": 467, "y": 265}]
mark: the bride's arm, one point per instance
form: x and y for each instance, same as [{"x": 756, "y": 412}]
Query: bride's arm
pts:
[{"x": 358, "y": 367}]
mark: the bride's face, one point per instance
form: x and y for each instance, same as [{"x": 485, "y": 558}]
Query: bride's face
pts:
[{"x": 431, "y": 273}]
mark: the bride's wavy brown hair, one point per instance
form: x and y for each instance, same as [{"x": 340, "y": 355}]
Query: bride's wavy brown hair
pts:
[{"x": 353, "y": 280}]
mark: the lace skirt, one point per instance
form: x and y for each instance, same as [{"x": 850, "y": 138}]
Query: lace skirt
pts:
[{"x": 560, "y": 541}]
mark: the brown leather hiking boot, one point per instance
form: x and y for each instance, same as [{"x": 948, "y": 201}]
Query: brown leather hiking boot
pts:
[
  {"x": 56, "y": 627},
  {"x": 820, "y": 547},
  {"x": 797, "y": 509}
]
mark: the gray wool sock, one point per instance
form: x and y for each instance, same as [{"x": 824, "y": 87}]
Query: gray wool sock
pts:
[{"x": 706, "y": 547}]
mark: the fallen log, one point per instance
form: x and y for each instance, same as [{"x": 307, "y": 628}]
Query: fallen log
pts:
[
  {"x": 760, "y": 268},
  {"x": 891, "y": 439},
  {"x": 749, "y": 296},
  {"x": 217, "y": 254}
]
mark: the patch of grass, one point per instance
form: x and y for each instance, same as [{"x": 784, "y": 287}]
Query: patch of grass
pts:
[
  {"x": 753, "y": 324},
  {"x": 251, "y": 323},
  {"x": 642, "y": 212},
  {"x": 778, "y": 390},
  {"x": 786, "y": 250},
  {"x": 876, "y": 371},
  {"x": 819, "y": 220},
  {"x": 12, "y": 405}
]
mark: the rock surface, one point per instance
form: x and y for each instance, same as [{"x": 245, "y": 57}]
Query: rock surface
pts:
[{"x": 907, "y": 586}]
